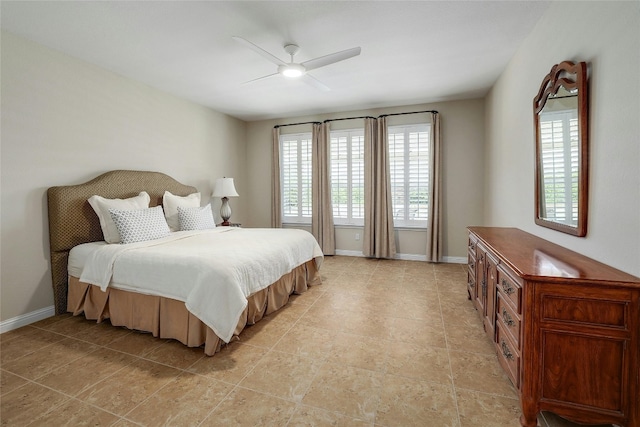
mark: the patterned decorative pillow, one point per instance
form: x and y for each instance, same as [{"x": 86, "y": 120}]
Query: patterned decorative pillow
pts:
[
  {"x": 102, "y": 205},
  {"x": 196, "y": 218},
  {"x": 170, "y": 203},
  {"x": 140, "y": 225}
]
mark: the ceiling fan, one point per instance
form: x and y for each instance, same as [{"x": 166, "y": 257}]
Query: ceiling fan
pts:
[{"x": 292, "y": 69}]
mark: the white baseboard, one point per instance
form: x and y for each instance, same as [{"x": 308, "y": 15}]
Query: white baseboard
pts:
[
  {"x": 411, "y": 257},
  {"x": 454, "y": 259},
  {"x": 406, "y": 257},
  {"x": 26, "y": 319},
  {"x": 342, "y": 252}
]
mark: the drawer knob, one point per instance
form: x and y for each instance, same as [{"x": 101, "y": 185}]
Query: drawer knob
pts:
[
  {"x": 507, "y": 288},
  {"x": 506, "y": 352},
  {"x": 506, "y": 318}
]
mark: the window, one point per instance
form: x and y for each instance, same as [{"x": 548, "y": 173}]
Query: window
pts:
[
  {"x": 295, "y": 178},
  {"x": 409, "y": 169},
  {"x": 559, "y": 148},
  {"x": 347, "y": 176}
]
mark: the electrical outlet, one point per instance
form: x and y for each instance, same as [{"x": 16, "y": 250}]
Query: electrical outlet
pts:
[{"x": 357, "y": 236}]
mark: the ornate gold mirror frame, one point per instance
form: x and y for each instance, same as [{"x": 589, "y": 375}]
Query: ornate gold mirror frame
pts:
[{"x": 560, "y": 114}]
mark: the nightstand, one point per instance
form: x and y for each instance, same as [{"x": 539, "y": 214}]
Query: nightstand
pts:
[{"x": 232, "y": 224}]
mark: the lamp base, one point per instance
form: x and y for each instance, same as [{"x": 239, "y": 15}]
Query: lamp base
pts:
[{"x": 225, "y": 211}]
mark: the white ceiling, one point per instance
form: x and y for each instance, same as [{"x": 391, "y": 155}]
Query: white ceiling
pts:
[{"x": 412, "y": 52}]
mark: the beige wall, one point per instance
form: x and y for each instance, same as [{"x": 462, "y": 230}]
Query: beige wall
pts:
[
  {"x": 463, "y": 140},
  {"x": 607, "y": 36},
  {"x": 65, "y": 121}
]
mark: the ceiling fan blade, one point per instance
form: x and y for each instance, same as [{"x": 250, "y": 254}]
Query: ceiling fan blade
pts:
[
  {"x": 312, "y": 81},
  {"x": 331, "y": 58},
  {"x": 259, "y": 50},
  {"x": 260, "y": 78}
]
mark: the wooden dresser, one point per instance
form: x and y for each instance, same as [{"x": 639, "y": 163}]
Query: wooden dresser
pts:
[{"x": 566, "y": 328}]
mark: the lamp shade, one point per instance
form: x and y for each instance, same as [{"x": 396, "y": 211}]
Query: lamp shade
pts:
[{"x": 224, "y": 188}]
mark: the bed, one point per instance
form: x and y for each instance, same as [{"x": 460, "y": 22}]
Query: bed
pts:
[{"x": 203, "y": 309}]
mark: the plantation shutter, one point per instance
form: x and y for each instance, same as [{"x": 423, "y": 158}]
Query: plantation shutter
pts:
[{"x": 295, "y": 164}]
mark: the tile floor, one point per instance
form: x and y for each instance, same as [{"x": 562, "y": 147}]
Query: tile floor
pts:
[{"x": 379, "y": 343}]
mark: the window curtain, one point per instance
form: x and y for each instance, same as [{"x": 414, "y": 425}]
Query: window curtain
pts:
[
  {"x": 434, "y": 225},
  {"x": 321, "y": 207},
  {"x": 276, "y": 201},
  {"x": 379, "y": 235}
]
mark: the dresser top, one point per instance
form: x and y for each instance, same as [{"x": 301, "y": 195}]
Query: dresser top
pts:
[{"x": 532, "y": 257}]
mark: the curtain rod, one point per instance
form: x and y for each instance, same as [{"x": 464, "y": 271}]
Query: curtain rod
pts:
[
  {"x": 349, "y": 118},
  {"x": 360, "y": 117},
  {"x": 412, "y": 112},
  {"x": 295, "y": 124}
]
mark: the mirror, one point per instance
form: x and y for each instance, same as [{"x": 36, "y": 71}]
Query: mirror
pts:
[{"x": 560, "y": 116}]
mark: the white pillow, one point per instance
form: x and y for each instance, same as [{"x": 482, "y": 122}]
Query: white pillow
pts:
[
  {"x": 101, "y": 206},
  {"x": 170, "y": 203},
  {"x": 196, "y": 218},
  {"x": 140, "y": 225}
]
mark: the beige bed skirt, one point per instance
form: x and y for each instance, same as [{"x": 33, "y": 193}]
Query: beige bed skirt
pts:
[{"x": 169, "y": 318}]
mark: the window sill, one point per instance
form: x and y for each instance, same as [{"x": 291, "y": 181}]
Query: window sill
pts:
[
  {"x": 353, "y": 226},
  {"x": 398, "y": 228},
  {"x": 407, "y": 228}
]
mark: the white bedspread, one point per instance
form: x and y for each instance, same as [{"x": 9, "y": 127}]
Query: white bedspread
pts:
[{"x": 212, "y": 271}]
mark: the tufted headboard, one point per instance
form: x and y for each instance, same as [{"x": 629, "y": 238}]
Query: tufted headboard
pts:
[{"x": 72, "y": 221}]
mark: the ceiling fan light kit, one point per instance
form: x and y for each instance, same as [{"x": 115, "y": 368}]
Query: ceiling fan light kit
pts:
[{"x": 292, "y": 69}]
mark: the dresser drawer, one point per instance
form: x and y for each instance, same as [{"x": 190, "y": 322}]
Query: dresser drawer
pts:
[
  {"x": 509, "y": 320},
  {"x": 612, "y": 313},
  {"x": 509, "y": 288},
  {"x": 472, "y": 244},
  {"x": 471, "y": 277},
  {"x": 508, "y": 355},
  {"x": 472, "y": 266}
]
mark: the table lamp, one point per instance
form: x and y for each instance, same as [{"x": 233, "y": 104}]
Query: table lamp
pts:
[{"x": 224, "y": 188}]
